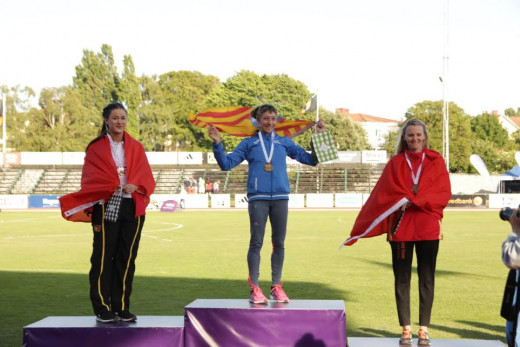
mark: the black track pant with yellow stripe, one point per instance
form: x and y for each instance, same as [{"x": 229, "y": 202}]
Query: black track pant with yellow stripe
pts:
[{"x": 113, "y": 258}]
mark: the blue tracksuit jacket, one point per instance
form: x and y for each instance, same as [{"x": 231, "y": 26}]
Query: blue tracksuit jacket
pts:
[{"x": 261, "y": 184}]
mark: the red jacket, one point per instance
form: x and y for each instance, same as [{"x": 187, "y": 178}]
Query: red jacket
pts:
[
  {"x": 394, "y": 189},
  {"x": 99, "y": 179}
]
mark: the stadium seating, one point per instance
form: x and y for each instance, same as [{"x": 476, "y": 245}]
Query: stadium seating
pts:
[{"x": 352, "y": 178}]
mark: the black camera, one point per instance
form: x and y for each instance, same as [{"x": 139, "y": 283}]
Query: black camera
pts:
[{"x": 507, "y": 212}]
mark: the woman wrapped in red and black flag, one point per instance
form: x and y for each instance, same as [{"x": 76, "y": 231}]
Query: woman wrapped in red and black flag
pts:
[{"x": 116, "y": 185}]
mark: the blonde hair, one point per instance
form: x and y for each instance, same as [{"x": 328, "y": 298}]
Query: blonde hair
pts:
[{"x": 401, "y": 143}]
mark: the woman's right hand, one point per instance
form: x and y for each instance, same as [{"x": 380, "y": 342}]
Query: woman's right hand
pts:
[{"x": 214, "y": 134}]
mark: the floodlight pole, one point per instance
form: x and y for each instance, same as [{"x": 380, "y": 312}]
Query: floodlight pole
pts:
[
  {"x": 4, "y": 131},
  {"x": 445, "y": 102}
]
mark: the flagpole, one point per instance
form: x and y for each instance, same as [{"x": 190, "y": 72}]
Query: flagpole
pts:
[{"x": 317, "y": 107}]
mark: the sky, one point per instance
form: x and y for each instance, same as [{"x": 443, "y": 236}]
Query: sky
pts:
[{"x": 376, "y": 57}]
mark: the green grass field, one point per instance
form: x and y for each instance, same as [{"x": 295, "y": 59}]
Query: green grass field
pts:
[{"x": 44, "y": 262}]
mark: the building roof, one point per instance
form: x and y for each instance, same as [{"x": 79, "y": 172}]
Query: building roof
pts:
[
  {"x": 360, "y": 117},
  {"x": 515, "y": 120}
]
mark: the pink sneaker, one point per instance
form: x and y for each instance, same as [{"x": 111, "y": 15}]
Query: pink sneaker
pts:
[
  {"x": 257, "y": 297},
  {"x": 278, "y": 294}
]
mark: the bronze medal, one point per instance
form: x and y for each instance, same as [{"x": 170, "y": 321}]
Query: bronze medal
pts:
[
  {"x": 415, "y": 188},
  {"x": 268, "y": 167}
]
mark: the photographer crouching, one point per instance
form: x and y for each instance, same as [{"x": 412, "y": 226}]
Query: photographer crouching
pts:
[{"x": 511, "y": 258}]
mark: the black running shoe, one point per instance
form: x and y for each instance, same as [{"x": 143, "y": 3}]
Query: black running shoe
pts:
[
  {"x": 106, "y": 317},
  {"x": 126, "y": 316}
]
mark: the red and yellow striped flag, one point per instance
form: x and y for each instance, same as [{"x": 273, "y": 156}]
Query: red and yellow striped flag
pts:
[{"x": 235, "y": 121}]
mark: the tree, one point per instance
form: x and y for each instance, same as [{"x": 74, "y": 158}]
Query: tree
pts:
[
  {"x": 510, "y": 112},
  {"x": 129, "y": 93},
  {"x": 460, "y": 135},
  {"x": 249, "y": 89},
  {"x": 348, "y": 134},
  {"x": 186, "y": 92},
  {"x": 17, "y": 118},
  {"x": 486, "y": 127}
]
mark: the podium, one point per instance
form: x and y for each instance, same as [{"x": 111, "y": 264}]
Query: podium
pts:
[
  {"x": 206, "y": 323},
  {"x": 231, "y": 322},
  {"x": 157, "y": 331}
]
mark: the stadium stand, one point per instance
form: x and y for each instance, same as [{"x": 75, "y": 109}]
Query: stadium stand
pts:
[{"x": 337, "y": 178}]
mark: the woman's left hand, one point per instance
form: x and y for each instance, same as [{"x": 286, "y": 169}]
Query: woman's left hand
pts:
[
  {"x": 130, "y": 188},
  {"x": 320, "y": 126}
]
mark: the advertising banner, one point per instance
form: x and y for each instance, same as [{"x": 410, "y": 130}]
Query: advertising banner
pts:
[
  {"x": 220, "y": 200},
  {"x": 44, "y": 201},
  {"x": 504, "y": 200},
  {"x": 13, "y": 202},
  {"x": 353, "y": 200},
  {"x": 241, "y": 201},
  {"x": 468, "y": 201},
  {"x": 320, "y": 200}
]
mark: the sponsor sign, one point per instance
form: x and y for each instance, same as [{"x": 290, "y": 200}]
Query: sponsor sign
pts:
[
  {"x": 190, "y": 158},
  {"x": 14, "y": 202},
  {"x": 320, "y": 200},
  {"x": 373, "y": 157},
  {"x": 12, "y": 158},
  {"x": 241, "y": 201},
  {"x": 220, "y": 200},
  {"x": 169, "y": 206},
  {"x": 348, "y": 200},
  {"x": 44, "y": 201},
  {"x": 504, "y": 200},
  {"x": 468, "y": 201}
]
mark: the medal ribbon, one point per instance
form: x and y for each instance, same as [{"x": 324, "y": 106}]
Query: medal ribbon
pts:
[
  {"x": 415, "y": 177},
  {"x": 270, "y": 157}
]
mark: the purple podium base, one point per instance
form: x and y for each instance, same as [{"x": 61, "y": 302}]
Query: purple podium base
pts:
[
  {"x": 233, "y": 322},
  {"x": 394, "y": 342},
  {"x": 157, "y": 331}
]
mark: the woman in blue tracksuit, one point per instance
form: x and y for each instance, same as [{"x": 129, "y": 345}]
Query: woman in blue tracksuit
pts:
[{"x": 267, "y": 191}]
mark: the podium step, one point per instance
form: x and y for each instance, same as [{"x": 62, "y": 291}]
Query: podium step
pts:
[
  {"x": 394, "y": 342},
  {"x": 237, "y": 323},
  {"x": 157, "y": 331}
]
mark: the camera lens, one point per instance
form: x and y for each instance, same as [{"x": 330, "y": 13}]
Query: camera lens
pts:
[{"x": 505, "y": 213}]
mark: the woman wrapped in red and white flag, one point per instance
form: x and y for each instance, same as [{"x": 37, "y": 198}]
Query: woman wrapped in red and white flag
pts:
[
  {"x": 116, "y": 184},
  {"x": 407, "y": 204}
]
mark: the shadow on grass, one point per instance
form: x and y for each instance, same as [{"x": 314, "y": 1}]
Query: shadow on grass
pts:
[
  {"x": 27, "y": 297},
  {"x": 494, "y": 333},
  {"x": 438, "y": 272}
]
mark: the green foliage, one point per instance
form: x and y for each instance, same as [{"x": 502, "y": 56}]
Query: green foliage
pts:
[
  {"x": 186, "y": 92},
  {"x": 348, "y": 135},
  {"x": 69, "y": 117},
  {"x": 129, "y": 93},
  {"x": 248, "y": 89},
  {"x": 510, "y": 112},
  {"x": 486, "y": 127},
  {"x": 460, "y": 135}
]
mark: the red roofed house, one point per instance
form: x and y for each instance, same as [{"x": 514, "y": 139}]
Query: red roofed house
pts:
[
  {"x": 377, "y": 128},
  {"x": 511, "y": 124}
]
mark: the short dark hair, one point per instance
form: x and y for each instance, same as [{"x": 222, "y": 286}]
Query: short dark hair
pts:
[{"x": 260, "y": 110}]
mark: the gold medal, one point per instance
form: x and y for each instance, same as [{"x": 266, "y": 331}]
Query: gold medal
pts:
[
  {"x": 415, "y": 188},
  {"x": 268, "y": 167}
]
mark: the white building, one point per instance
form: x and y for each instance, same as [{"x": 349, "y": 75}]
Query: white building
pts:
[
  {"x": 377, "y": 128},
  {"x": 511, "y": 124}
]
